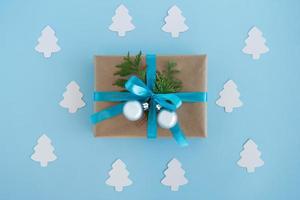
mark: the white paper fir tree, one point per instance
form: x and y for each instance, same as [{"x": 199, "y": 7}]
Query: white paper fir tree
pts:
[
  {"x": 121, "y": 21},
  {"x": 250, "y": 157},
  {"x": 47, "y": 43},
  {"x": 174, "y": 175},
  {"x": 118, "y": 176},
  {"x": 255, "y": 44},
  {"x": 72, "y": 98},
  {"x": 229, "y": 97},
  {"x": 175, "y": 22},
  {"x": 43, "y": 151}
]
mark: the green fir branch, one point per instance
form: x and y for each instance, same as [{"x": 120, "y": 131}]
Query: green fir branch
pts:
[
  {"x": 166, "y": 81},
  {"x": 130, "y": 67}
]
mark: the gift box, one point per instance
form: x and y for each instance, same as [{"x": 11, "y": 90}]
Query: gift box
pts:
[{"x": 191, "y": 115}]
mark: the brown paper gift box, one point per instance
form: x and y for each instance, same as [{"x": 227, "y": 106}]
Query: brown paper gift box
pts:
[{"x": 191, "y": 116}]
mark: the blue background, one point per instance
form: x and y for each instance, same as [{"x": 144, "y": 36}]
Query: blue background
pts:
[{"x": 32, "y": 86}]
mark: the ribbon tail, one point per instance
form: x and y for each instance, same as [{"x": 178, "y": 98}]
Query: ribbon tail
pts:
[
  {"x": 107, "y": 113},
  {"x": 178, "y": 135},
  {"x": 152, "y": 125}
]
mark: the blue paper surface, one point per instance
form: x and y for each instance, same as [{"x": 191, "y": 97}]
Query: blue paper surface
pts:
[{"x": 31, "y": 88}]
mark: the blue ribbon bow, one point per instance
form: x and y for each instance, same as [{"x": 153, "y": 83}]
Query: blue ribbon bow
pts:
[{"x": 141, "y": 92}]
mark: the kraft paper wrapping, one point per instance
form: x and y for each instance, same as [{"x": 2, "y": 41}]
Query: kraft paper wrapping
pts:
[{"x": 191, "y": 116}]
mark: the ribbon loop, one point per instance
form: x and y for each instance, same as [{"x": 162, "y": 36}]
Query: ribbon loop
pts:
[
  {"x": 168, "y": 101},
  {"x": 138, "y": 87}
]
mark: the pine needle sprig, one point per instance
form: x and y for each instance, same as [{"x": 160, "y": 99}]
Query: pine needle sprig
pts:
[
  {"x": 130, "y": 66},
  {"x": 166, "y": 81}
]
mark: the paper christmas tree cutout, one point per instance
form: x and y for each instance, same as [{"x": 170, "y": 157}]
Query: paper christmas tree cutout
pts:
[
  {"x": 174, "y": 175},
  {"x": 47, "y": 42},
  {"x": 43, "y": 151},
  {"x": 250, "y": 157},
  {"x": 121, "y": 21},
  {"x": 118, "y": 176},
  {"x": 72, "y": 98},
  {"x": 175, "y": 22},
  {"x": 255, "y": 44},
  {"x": 229, "y": 97}
]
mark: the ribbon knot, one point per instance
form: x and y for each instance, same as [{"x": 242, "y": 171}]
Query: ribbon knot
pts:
[{"x": 137, "y": 87}]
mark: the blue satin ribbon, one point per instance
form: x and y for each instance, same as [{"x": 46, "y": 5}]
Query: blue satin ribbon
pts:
[{"x": 138, "y": 90}]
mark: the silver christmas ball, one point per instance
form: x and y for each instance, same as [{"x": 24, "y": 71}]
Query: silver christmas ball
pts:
[
  {"x": 167, "y": 119},
  {"x": 133, "y": 110}
]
